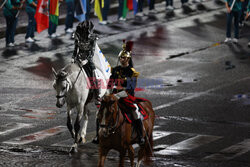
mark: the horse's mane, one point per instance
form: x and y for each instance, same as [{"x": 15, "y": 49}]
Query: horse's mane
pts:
[{"x": 68, "y": 69}]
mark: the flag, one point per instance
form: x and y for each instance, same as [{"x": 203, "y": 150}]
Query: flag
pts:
[
  {"x": 130, "y": 4},
  {"x": 125, "y": 9},
  {"x": 135, "y": 6},
  {"x": 54, "y": 11},
  {"x": 3, "y": 3},
  {"x": 127, "y": 5},
  {"x": 98, "y": 11},
  {"x": 80, "y": 10},
  {"x": 101, "y": 62},
  {"x": 42, "y": 15},
  {"x": 231, "y": 8}
]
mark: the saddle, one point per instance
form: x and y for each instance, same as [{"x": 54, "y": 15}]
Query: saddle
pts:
[
  {"x": 88, "y": 70},
  {"x": 128, "y": 114}
]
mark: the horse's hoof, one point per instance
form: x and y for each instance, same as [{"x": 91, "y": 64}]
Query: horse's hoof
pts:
[
  {"x": 82, "y": 140},
  {"x": 73, "y": 150},
  {"x": 73, "y": 135},
  {"x": 95, "y": 140}
]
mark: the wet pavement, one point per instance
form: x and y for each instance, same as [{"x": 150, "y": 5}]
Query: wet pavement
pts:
[{"x": 198, "y": 85}]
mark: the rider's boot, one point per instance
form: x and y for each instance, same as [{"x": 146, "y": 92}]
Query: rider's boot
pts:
[
  {"x": 97, "y": 89},
  {"x": 96, "y": 139},
  {"x": 139, "y": 129}
]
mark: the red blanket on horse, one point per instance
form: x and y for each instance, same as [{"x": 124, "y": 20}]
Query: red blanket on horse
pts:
[{"x": 126, "y": 105}]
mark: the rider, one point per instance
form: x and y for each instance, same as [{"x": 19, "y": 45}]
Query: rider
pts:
[
  {"x": 123, "y": 79},
  {"x": 85, "y": 41}
]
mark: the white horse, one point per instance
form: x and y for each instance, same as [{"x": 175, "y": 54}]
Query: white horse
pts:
[{"x": 72, "y": 86}]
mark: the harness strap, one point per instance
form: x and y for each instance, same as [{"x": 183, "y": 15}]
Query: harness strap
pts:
[
  {"x": 114, "y": 127},
  {"x": 61, "y": 96},
  {"x": 78, "y": 73}
]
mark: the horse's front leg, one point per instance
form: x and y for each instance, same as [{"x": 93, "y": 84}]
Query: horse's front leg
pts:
[
  {"x": 69, "y": 122},
  {"x": 77, "y": 128},
  {"x": 85, "y": 124},
  {"x": 131, "y": 153},
  {"x": 122, "y": 157},
  {"x": 102, "y": 156},
  {"x": 141, "y": 153}
]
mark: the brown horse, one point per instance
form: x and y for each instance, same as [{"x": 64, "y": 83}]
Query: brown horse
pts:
[{"x": 116, "y": 133}]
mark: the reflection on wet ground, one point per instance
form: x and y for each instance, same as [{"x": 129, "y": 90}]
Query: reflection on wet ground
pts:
[
  {"x": 111, "y": 48},
  {"x": 219, "y": 22},
  {"x": 170, "y": 14},
  {"x": 44, "y": 67},
  {"x": 9, "y": 52},
  {"x": 199, "y": 29},
  {"x": 187, "y": 9},
  {"x": 55, "y": 43},
  {"x": 151, "y": 18},
  {"x": 138, "y": 21},
  {"x": 38, "y": 114},
  {"x": 151, "y": 43},
  {"x": 200, "y": 6},
  {"x": 244, "y": 30},
  {"x": 118, "y": 27},
  {"x": 33, "y": 47},
  {"x": 239, "y": 51},
  {"x": 29, "y": 138},
  {"x": 218, "y": 2}
]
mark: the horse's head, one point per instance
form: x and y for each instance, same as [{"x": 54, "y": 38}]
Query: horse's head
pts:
[
  {"x": 61, "y": 85},
  {"x": 108, "y": 115}
]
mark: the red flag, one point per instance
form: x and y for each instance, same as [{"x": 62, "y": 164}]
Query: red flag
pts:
[
  {"x": 130, "y": 4},
  {"x": 42, "y": 15}
]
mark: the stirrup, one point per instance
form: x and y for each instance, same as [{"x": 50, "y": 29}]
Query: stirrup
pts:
[
  {"x": 98, "y": 101},
  {"x": 141, "y": 141},
  {"x": 95, "y": 140}
]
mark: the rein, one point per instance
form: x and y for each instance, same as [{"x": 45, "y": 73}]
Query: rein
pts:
[
  {"x": 112, "y": 129},
  {"x": 78, "y": 73}
]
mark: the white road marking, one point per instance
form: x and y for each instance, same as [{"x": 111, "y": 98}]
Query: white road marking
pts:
[
  {"x": 231, "y": 152},
  {"x": 157, "y": 135},
  {"x": 195, "y": 95},
  {"x": 160, "y": 134},
  {"x": 36, "y": 136},
  {"x": 11, "y": 127},
  {"x": 187, "y": 145}
]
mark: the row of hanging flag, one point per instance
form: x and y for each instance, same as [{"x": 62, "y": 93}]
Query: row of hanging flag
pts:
[{"x": 48, "y": 10}]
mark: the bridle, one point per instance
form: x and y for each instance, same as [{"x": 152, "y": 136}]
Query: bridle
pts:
[
  {"x": 68, "y": 82},
  {"x": 65, "y": 94},
  {"x": 113, "y": 126}
]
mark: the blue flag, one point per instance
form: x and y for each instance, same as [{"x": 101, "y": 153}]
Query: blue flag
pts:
[
  {"x": 135, "y": 6},
  {"x": 80, "y": 10}
]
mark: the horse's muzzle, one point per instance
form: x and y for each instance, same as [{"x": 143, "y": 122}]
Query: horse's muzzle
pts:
[
  {"x": 60, "y": 103},
  {"x": 104, "y": 132}
]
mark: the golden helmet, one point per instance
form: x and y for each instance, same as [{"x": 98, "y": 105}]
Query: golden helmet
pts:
[{"x": 126, "y": 49}]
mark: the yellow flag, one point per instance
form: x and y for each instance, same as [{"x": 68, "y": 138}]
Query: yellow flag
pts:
[
  {"x": 57, "y": 10},
  {"x": 98, "y": 12}
]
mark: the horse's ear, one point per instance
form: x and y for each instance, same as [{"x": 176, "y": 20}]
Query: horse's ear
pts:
[
  {"x": 54, "y": 72},
  {"x": 63, "y": 74}
]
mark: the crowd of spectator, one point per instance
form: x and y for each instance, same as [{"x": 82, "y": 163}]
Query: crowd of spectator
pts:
[{"x": 237, "y": 12}]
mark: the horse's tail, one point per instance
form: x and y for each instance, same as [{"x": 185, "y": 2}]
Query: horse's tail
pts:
[{"x": 149, "y": 150}]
